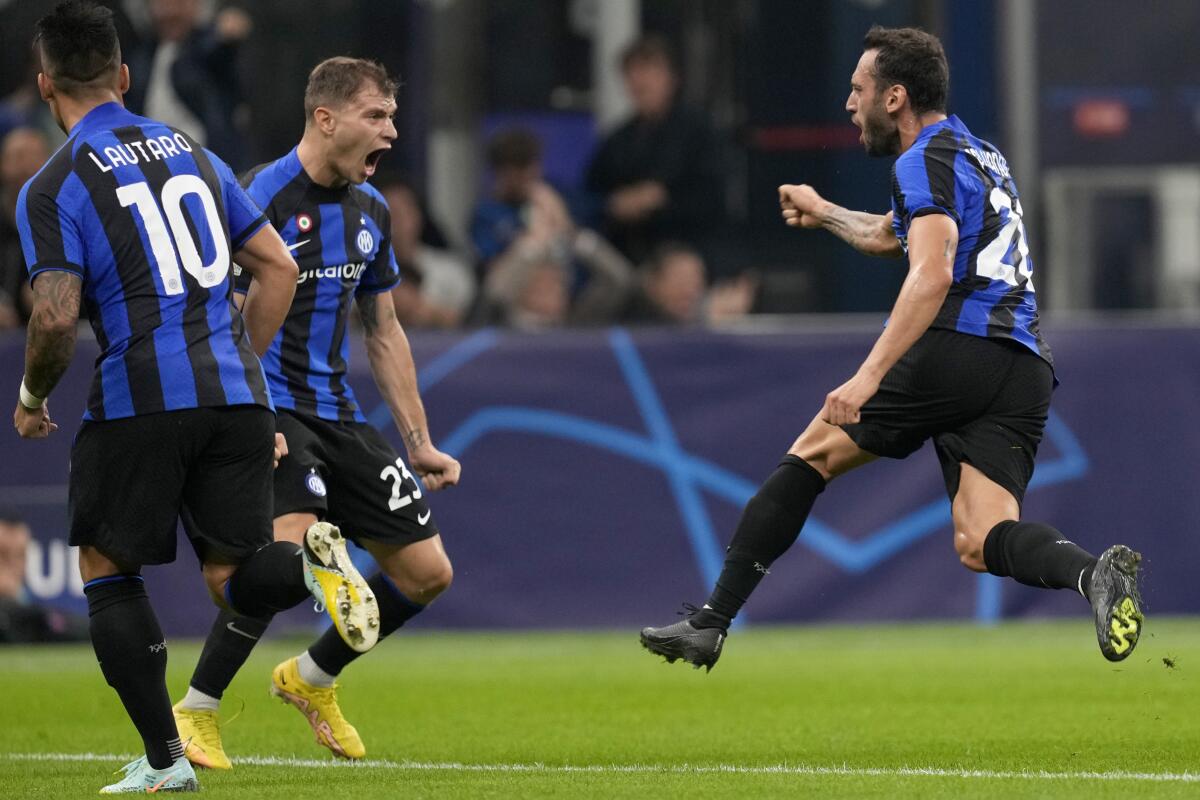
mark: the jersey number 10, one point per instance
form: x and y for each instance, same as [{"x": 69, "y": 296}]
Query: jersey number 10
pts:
[{"x": 168, "y": 254}]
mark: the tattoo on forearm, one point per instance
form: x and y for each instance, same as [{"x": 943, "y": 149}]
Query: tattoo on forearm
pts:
[
  {"x": 367, "y": 306},
  {"x": 51, "y": 337},
  {"x": 368, "y": 309},
  {"x": 857, "y": 229},
  {"x": 415, "y": 438}
]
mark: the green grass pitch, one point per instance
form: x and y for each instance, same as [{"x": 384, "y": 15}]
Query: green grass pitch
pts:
[{"x": 931, "y": 710}]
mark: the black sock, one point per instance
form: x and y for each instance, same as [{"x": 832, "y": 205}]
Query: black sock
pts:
[
  {"x": 1037, "y": 555},
  {"x": 769, "y": 526},
  {"x": 332, "y": 654},
  {"x": 225, "y": 651},
  {"x": 269, "y": 581},
  {"x": 133, "y": 657}
]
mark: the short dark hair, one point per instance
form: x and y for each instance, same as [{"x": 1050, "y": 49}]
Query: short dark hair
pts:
[
  {"x": 666, "y": 252},
  {"x": 650, "y": 47},
  {"x": 78, "y": 45},
  {"x": 515, "y": 147},
  {"x": 913, "y": 59},
  {"x": 335, "y": 81}
]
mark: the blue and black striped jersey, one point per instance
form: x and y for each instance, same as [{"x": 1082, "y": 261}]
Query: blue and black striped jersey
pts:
[
  {"x": 949, "y": 171},
  {"x": 148, "y": 219},
  {"x": 341, "y": 240}
]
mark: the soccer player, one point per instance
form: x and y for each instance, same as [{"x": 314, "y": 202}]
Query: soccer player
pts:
[
  {"x": 137, "y": 222},
  {"x": 961, "y": 361},
  {"x": 339, "y": 468}
]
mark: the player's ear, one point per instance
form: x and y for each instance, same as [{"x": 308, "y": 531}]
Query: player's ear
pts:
[
  {"x": 123, "y": 79},
  {"x": 895, "y": 98},
  {"x": 45, "y": 86},
  {"x": 324, "y": 119}
]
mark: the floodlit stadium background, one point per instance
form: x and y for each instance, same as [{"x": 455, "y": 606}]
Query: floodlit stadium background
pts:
[{"x": 605, "y": 468}]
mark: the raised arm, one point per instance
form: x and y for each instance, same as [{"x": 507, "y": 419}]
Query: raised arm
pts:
[
  {"x": 49, "y": 345},
  {"x": 396, "y": 376},
  {"x": 266, "y": 258},
  {"x": 871, "y": 234},
  {"x": 932, "y": 241}
]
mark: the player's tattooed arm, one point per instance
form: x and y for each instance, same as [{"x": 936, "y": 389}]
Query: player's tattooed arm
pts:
[
  {"x": 50, "y": 341},
  {"x": 395, "y": 374},
  {"x": 376, "y": 316},
  {"x": 867, "y": 233},
  {"x": 392, "y": 364}
]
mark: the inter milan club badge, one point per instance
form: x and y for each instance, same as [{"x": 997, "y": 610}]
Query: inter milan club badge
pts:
[
  {"x": 304, "y": 223},
  {"x": 365, "y": 241},
  {"x": 314, "y": 483}
]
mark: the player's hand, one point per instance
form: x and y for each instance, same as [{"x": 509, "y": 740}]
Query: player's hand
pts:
[
  {"x": 437, "y": 470},
  {"x": 802, "y": 207},
  {"x": 843, "y": 404},
  {"x": 33, "y": 423},
  {"x": 280, "y": 448}
]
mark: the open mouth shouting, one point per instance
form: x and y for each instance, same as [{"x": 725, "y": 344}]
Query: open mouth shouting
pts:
[{"x": 372, "y": 160}]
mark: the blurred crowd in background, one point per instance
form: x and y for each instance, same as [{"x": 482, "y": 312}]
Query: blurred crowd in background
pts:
[{"x": 521, "y": 197}]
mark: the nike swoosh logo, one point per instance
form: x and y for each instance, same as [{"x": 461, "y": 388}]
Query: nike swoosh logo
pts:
[
  {"x": 421, "y": 520},
  {"x": 230, "y": 626},
  {"x": 292, "y": 247}
]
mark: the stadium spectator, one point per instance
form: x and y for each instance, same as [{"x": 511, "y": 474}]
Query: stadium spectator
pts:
[
  {"x": 531, "y": 286},
  {"x": 20, "y": 620},
  {"x": 659, "y": 172},
  {"x": 185, "y": 74},
  {"x": 22, "y": 153},
  {"x": 515, "y": 159},
  {"x": 23, "y": 108},
  {"x": 540, "y": 268},
  {"x": 672, "y": 290},
  {"x": 438, "y": 287}
]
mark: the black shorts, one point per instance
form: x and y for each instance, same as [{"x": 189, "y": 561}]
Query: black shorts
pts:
[
  {"x": 348, "y": 474},
  {"x": 133, "y": 479},
  {"x": 983, "y": 402}
]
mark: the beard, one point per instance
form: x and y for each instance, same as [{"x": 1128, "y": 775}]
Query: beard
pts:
[{"x": 880, "y": 136}]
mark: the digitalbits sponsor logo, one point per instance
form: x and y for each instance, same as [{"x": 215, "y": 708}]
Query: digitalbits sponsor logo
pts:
[
  {"x": 365, "y": 241},
  {"x": 315, "y": 484}
]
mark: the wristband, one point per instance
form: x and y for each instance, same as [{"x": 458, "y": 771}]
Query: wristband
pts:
[{"x": 29, "y": 399}]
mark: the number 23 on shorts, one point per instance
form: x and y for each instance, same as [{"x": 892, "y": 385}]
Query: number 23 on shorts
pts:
[{"x": 397, "y": 473}]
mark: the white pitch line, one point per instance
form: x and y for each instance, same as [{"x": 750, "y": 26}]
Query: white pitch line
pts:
[{"x": 689, "y": 769}]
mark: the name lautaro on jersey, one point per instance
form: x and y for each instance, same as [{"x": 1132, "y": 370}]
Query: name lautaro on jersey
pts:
[{"x": 152, "y": 148}]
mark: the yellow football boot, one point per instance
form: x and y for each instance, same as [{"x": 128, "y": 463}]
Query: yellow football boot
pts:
[
  {"x": 319, "y": 706},
  {"x": 201, "y": 735},
  {"x": 338, "y": 586}
]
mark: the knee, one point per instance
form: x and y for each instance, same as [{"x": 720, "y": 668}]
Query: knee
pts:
[
  {"x": 968, "y": 543},
  {"x": 94, "y": 564},
  {"x": 216, "y": 577},
  {"x": 424, "y": 586}
]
